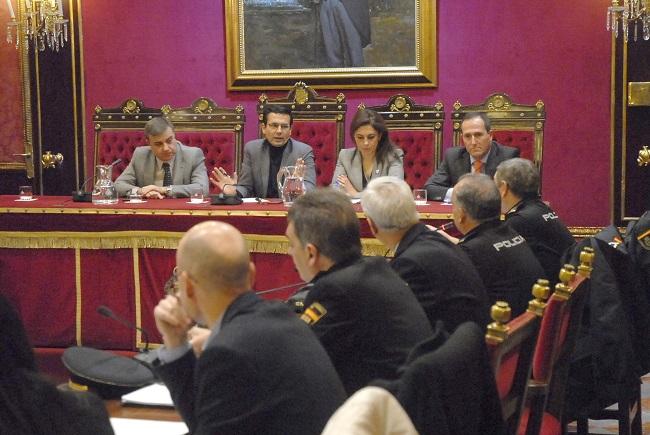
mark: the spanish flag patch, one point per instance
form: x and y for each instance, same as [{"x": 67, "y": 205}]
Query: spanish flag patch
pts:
[{"x": 313, "y": 314}]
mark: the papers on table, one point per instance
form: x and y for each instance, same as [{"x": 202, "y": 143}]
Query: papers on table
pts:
[
  {"x": 133, "y": 426},
  {"x": 151, "y": 395},
  {"x": 254, "y": 200}
]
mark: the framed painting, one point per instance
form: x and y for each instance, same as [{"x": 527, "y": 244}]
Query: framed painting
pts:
[{"x": 271, "y": 44}]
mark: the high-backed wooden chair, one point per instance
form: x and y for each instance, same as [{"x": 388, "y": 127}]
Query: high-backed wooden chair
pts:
[
  {"x": 555, "y": 344},
  {"x": 317, "y": 121},
  {"x": 417, "y": 130},
  {"x": 217, "y": 130},
  {"x": 513, "y": 124},
  {"x": 511, "y": 344},
  {"x": 119, "y": 130}
]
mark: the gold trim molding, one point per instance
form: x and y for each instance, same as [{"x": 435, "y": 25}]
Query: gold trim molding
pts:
[{"x": 638, "y": 94}]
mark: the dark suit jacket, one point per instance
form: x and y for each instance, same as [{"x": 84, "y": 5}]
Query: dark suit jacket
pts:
[
  {"x": 505, "y": 262},
  {"x": 544, "y": 232},
  {"x": 442, "y": 278},
  {"x": 456, "y": 163},
  {"x": 370, "y": 319},
  {"x": 265, "y": 372},
  {"x": 448, "y": 387}
]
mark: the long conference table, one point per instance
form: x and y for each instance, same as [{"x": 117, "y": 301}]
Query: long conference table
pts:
[{"x": 60, "y": 260}]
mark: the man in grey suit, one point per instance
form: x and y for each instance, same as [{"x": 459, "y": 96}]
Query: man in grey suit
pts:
[
  {"x": 263, "y": 158},
  {"x": 165, "y": 168},
  {"x": 479, "y": 155}
]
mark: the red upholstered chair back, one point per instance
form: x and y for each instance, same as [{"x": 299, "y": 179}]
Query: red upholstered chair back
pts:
[
  {"x": 317, "y": 121},
  {"x": 510, "y": 346},
  {"x": 218, "y": 131},
  {"x": 118, "y": 131},
  {"x": 516, "y": 125},
  {"x": 417, "y": 130},
  {"x": 555, "y": 344}
]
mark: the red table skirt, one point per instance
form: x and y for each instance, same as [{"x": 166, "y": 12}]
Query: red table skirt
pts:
[{"x": 60, "y": 260}]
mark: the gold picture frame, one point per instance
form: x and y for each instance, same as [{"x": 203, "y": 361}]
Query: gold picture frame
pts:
[{"x": 271, "y": 44}]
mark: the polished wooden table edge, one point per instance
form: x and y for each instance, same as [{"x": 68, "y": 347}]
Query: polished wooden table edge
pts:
[
  {"x": 179, "y": 207},
  {"x": 116, "y": 409}
]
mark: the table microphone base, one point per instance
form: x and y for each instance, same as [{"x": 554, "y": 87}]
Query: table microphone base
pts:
[
  {"x": 222, "y": 199},
  {"x": 81, "y": 196}
]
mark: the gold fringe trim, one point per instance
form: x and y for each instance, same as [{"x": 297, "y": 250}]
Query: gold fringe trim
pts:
[{"x": 257, "y": 243}]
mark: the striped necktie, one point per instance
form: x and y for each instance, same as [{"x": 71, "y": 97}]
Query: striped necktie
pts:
[
  {"x": 167, "y": 179},
  {"x": 478, "y": 166}
]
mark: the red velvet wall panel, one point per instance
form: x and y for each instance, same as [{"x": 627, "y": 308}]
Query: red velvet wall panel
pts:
[
  {"x": 46, "y": 293},
  {"x": 558, "y": 52}
]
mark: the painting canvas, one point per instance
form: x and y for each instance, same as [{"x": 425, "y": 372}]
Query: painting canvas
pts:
[{"x": 330, "y": 43}]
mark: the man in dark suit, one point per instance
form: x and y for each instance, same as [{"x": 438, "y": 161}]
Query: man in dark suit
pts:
[
  {"x": 501, "y": 255},
  {"x": 262, "y": 370},
  {"x": 438, "y": 272},
  {"x": 518, "y": 183},
  {"x": 363, "y": 313},
  {"x": 263, "y": 158},
  {"x": 479, "y": 155}
]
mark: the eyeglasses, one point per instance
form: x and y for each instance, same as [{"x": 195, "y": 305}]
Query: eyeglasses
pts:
[{"x": 275, "y": 126}]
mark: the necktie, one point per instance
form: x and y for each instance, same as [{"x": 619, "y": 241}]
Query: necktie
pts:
[
  {"x": 478, "y": 166},
  {"x": 167, "y": 179}
]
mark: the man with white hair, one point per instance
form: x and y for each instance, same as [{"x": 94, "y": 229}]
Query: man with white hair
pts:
[
  {"x": 438, "y": 272},
  {"x": 262, "y": 370}
]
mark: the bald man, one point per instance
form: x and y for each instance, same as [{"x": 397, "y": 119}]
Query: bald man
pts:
[{"x": 262, "y": 370}]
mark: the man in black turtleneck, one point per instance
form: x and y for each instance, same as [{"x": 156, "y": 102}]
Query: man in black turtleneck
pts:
[{"x": 263, "y": 158}]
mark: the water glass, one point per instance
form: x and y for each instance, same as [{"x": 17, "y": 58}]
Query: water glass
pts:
[
  {"x": 420, "y": 196},
  {"x": 25, "y": 193},
  {"x": 196, "y": 195}
]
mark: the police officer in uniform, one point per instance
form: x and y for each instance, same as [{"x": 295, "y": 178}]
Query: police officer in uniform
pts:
[
  {"x": 518, "y": 183},
  {"x": 365, "y": 316},
  {"x": 503, "y": 258},
  {"x": 438, "y": 272}
]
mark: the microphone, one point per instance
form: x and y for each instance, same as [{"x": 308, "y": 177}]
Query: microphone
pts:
[
  {"x": 446, "y": 227},
  {"x": 81, "y": 195},
  {"x": 115, "y": 163},
  {"x": 107, "y": 312},
  {"x": 223, "y": 199},
  {"x": 280, "y": 288}
]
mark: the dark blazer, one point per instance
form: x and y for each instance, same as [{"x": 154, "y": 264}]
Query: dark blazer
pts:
[
  {"x": 544, "y": 232},
  {"x": 505, "y": 262},
  {"x": 366, "y": 318},
  {"x": 448, "y": 387},
  {"x": 253, "y": 179},
  {"x": 188, "y": 171},
  {"x": 456, "y": 163},
  {"x": 265, "y": 372},
  {"x": 442, "y": 278}
]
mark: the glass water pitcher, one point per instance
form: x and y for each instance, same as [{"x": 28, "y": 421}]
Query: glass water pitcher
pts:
[{"x": 104, "y": 192}]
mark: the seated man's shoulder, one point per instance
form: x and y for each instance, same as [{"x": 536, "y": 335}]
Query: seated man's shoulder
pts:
[
  {"x": 508, "y": 151},
  {"x": 453, "y": 153},
  {"x": 254, "y": 144}
]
